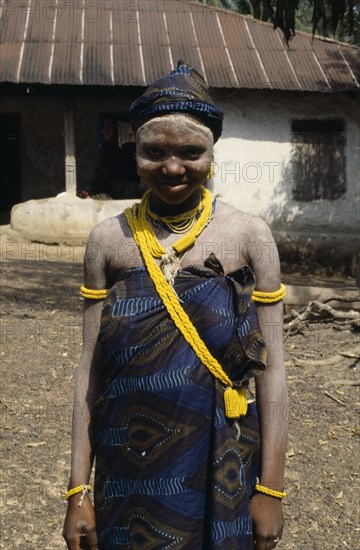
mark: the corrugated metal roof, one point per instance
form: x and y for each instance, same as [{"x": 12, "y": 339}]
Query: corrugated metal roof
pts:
[{"x": 131, "y": 43}]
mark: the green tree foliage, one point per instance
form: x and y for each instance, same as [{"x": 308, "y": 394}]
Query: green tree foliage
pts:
[{"x": 333, "y": 18}]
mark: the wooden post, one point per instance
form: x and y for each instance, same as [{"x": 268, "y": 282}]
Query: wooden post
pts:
[{"x": 70, "y": 154}]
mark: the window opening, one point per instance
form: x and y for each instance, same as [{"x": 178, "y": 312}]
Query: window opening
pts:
[{"x": 318, "y": 159}]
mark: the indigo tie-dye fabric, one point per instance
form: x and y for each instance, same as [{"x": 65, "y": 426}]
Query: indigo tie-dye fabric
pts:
[
  {"x": 170, "y": 472},
  {"x": 184, "y": 91}
]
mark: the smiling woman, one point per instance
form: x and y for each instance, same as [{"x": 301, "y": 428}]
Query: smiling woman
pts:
[
  {"x": 174, "y": 155},
  {"x": 162, "y": 397}
]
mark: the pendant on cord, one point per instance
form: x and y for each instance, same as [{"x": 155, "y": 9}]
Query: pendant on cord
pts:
[{"x": 170, "y": 265}]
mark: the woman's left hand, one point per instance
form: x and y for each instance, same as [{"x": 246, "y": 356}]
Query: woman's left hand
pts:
[{"x": 268, "y": 521}]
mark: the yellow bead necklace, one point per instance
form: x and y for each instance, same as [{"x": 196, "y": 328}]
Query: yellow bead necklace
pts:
[
  {"x": 203, "y": 213},
  {"x": 182, "y": 222}
]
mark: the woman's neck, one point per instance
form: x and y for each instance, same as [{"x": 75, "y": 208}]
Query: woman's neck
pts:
[{"x": 160, "y": 208}]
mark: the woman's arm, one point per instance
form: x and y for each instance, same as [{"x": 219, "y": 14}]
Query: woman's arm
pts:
[
  {"x": 81, "y": 520},
  {"x": 272, "y": 405},
  {"x": 271, "y": 392}
]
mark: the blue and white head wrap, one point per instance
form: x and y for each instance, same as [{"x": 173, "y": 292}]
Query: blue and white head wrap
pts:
[{"x": 182, "y": 91}]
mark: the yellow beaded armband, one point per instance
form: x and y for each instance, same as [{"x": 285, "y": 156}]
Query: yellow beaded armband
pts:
[
  {"x": 269, "y": 492},
  {"x": 257, "y": 296},
  {"x": 269, "y": 297},
  {"x": 84, "y": 489},
  {"x": 93, "y": 294}
]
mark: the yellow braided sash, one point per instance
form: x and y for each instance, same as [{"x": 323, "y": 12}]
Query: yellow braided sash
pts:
[{"x": 235, "y": 400}]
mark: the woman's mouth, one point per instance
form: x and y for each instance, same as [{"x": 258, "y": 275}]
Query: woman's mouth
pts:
[{"x": 173, "y": 183}]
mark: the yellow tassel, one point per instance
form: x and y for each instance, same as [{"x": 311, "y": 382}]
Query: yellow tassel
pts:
[
  {"x": 243, "y": 401},
  {"x": 235, "y": 402}
]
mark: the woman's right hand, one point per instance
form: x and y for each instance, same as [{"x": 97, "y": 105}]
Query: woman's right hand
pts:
[{"x": 79, "y": 524}]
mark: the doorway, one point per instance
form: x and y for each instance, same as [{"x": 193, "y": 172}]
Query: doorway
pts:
[
  {"x": 116, "y": 174},
  {"x": 10, "y": 193}
]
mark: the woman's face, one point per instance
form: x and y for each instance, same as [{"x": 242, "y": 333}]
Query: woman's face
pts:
[{"x": 174, "y": 154}]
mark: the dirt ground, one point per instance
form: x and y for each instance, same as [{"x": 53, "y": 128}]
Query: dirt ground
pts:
[{"x": 40, "y": 349}]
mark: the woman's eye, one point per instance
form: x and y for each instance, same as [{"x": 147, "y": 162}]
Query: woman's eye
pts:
[
  {"x": 154, "y": 152},
  {"x": 193, "y": 154}
]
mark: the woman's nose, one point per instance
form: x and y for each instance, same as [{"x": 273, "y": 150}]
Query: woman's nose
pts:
[{"x": 173, "y": 167}]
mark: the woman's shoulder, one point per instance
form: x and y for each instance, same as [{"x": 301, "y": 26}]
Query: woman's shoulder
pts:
[
  {"x": 110, "y": 230},
  {"x": 112, "y": 244},
  {"x": 238, "y": 220},
  {"x": 256, "y": 245}
]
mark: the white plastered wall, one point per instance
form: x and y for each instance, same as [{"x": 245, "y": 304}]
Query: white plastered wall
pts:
[{"x": 253, "y": 171}]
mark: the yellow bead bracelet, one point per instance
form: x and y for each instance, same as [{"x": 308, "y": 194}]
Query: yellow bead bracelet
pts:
[
  {"x": 269, "y": 492},
  {"x": 84, "y": 489}
]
